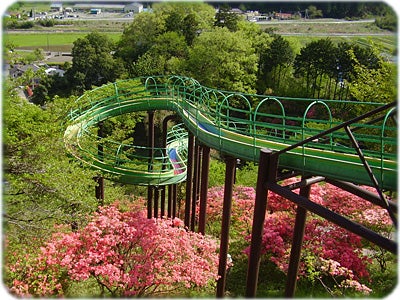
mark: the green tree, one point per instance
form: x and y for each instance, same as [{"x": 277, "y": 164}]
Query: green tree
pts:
[
  {"x": 43, "y": 185},
  {"x": 372, "y": 84},
  {"x": 164, "y": 57},
  {"x": 93, "y": 62},
  {"x": 313, "y": 62},
  {"x": 174, "y": 14},
  {"x": 190, "y": 28},
  {"x": 274, "y": 61},
  {"x": 223, "y": 59},
  {"x": 313, "y": 12},
  {"x": 139, "y": 37},
  {"x": 40, "y": 95},
  {"x": 226, "y": 18}
]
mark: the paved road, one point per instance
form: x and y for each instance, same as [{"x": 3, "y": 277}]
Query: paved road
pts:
[{"x": 317, "y": 21}]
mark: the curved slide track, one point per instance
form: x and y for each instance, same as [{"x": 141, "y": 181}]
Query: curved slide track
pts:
[{"x": 236, "y": 124}]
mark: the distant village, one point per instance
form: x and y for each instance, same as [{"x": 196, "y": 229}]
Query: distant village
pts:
[
  {"x": 60, "y": 10},
  {"x": 64, "y": 10}
]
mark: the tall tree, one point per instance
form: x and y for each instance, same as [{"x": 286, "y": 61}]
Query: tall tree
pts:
[
  {"x": 223, "y": 59},
  {"x": 368, "y": 84},
  {"x": 43, "y": 185},
  {"x": 139, "y": 37},
  {"x": 278, "y": 56},
  {"x": 226, "y": 18},
  {"x": 313, "y": 62},
  {"x": 93, "y": 62}
]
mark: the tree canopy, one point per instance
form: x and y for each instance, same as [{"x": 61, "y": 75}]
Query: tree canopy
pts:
[
  {"x": 93, "y": 62},
  {"x": 223, "y": 59}
]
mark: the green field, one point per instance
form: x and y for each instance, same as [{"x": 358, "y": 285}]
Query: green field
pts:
[
  {"x": 299, "y": 33},
  {"x": 51, "y": 41},
  {"x": 387, "y": 44}
]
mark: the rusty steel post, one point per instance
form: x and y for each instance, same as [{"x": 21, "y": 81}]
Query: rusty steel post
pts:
[
  {"x": 230, "y": 163},
  {"x": 150, "y": 167},
  {"x": 156, "y": 199},
  {"x": 189, "y": 179},
  {"x": 205, "y": 166},
  {"x": 267, "y": 170},
  {"x": 99, "y": 189},
  {"x": 169, "y": 202},
  {"x": 162, "y": 201},
  {"x": 196, "y": 183},
  {"x": 174, "y": 198},
  {"x": 297, "y": 242}
]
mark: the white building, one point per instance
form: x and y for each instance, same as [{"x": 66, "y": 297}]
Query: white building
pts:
[
  {"x": 56, "y": 7},
  {"x": 133, "y": 7}
]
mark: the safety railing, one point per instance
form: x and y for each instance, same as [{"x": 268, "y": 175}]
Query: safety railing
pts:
[{"x": 259, "y": 117}]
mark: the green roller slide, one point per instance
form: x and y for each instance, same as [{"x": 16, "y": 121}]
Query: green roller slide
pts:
[{"x": 235, "y": 124}]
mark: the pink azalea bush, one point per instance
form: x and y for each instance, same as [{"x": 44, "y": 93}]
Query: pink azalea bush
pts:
[
  {"x": 323, "y": 240},
  {"x": 126, "y": 253}
]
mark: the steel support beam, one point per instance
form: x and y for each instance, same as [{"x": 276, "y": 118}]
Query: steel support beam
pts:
[
  {"x": 162, "y": 201},
  {"x": 196, "y": 183},
  {"x": 205, "y": 166},
  {"x": 188, "y": 199},
  {"x": 295, "y": 252},
  {"x": 169, "y": 209},
  {"x": 156, "y": 199},
  {"x": 267, "y": 170},
  {"x": 150, "y": 143},
  {"x": 333, "y": 217},
  {"x": 174, "y": 199},
  {"x": 99, "y": 189},
  {"x": 226, "y": 217}
]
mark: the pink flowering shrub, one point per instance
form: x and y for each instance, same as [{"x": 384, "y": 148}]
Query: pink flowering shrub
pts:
[
  {"x": 242, "y": 207},
  {"x": 323, "y": 240},
  {"x": 126, "y": 253},
  {"x": 342, "y": 277},
  {"x": 27, "y": 274}
]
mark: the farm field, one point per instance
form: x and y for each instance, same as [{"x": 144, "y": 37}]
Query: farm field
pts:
[
  {"x": 60, "y": 41},
  {"x": 299, "y": 33}
]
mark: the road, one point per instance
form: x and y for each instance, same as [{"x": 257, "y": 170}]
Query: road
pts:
[{"x": 316, "y": 21}]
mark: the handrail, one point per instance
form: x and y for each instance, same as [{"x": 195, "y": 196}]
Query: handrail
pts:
[{"x": 204, "y": 111}]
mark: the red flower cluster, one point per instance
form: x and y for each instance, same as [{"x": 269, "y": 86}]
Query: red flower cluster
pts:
[{"x": 129, "y": 255}]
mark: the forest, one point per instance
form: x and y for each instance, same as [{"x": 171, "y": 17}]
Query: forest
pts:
[{"x": 60, "y": 241}]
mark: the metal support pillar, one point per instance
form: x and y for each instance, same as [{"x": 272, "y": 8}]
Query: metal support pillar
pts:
[
  {"x": 189, "y": 179},
  {"x": 150, "y": 166},
  {"x": 297, "y": 242},
  {"x": 226, "y": 217},
  {"x": 162, "y": 201},
  {"x": 99, "y": 189},
  {"x": 205, "y": 166},
  {"x": 267, "y": 170},
  {"x": 174, "y": 198},
  {"x": 149, "y": 202},
  {"x": 156, "y": 199},
  {"x": 169, "y": 209},
  {"x": 164, "y": 145},
  {"x": 196, "y": 183}
]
